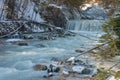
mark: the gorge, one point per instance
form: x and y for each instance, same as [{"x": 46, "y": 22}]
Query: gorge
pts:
[{"x": 19, "y": 55}]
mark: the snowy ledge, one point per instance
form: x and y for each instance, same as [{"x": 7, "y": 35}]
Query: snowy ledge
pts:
[
  {"x": 54, "y": 5},
  {"x": 14, "y": 40}
]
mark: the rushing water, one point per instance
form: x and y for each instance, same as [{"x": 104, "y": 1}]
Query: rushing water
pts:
[
  {"x": 16, "y": 62},
  {"x": 85, "y": 25}
]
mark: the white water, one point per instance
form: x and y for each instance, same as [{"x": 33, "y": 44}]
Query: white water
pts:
[
  {"x": 85, "y": 25},
  {"x": 16, "y": 62}
]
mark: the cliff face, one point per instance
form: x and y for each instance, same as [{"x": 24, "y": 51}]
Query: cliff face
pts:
[
  {"x": 37, "y": 10},
  {"x": 46, "y": 10},
  {"x": 42, "y": 11},
  {"x": 21, "y": 9}
]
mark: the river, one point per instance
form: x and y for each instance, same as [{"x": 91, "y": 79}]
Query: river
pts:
[{"x": 16, "y": 62}]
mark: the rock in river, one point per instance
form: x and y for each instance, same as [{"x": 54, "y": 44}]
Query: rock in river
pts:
[{"x": 39, "y": 67}]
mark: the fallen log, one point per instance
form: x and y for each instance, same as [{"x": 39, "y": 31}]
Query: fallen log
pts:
[{"x": 85, "y": 52}]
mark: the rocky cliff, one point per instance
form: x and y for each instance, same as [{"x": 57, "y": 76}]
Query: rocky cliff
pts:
[{"x": 43, "y": 11}]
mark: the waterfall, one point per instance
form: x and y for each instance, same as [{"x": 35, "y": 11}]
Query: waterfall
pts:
[{"x": 85, "y": 25}]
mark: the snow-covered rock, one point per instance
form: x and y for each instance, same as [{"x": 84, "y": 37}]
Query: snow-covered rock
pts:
[
  {"x": 94, "y": 12},
  {"x": 71, "y": 60},
  {"x": 14, "y": 40},
  {"x": 65, "y": 72},
  {"x": 78, "y": 69},
  {"x": 54, "y": 5}
]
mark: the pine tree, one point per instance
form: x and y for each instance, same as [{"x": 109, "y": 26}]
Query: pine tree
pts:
[{"x": 112, "y": 30}]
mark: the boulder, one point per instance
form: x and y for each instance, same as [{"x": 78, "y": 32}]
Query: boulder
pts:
[
  {"x": 54, "y": 16},
  {"x": 39, "y": 67},
  {"x": 78, "y": 69},
  {"x": 71, "y": 60},
  {"x": 57, "y": 69},
  {"x": 66, "y": 73},
  {"x": 86, "y": 71}
]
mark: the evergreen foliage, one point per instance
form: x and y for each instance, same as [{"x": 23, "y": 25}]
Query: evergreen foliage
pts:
[
  {"x": 112, "y": 30},
  {"x": 117, "y": 75}
]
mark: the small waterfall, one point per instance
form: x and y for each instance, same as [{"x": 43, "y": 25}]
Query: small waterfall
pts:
[{"x": 85, "y": 25}]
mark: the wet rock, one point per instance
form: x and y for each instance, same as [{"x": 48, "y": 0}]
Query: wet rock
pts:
[
  {"x": 55, "y": 59},
  {"x": 44, "y": 38},
  {"x": 79, "y": 51},
  {"x": 57, "y": 69},
  {"x": 79, "y": 62},
  {"x": 28, "y": 37},
  {"x": 40, "y": 46},
  {"x": 94, "y": 71},
  {"x": 40, "y": 67},
  {"x": 86, "y": 71},
  {"x": 50, "y": 74},
  {"x": 52, "y": 68},
  {"x": 23, "y": 44}
]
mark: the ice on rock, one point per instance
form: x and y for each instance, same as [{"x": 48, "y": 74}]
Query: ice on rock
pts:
[
  {"x": 78, "y": 69},
  {"x": 14, "y": 40}
]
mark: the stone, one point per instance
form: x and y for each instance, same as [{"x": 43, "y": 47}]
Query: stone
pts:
[
  {"x": 59, "y": 63},
  {"x": 79, "y": 51},
  {"x": 71, "y": 60},
  {"x": 50, "y": 69},
  {"x": 23, "y": 44},
  {"x": 28, "y": 37},
  {"x": 50, "y": 74},
  {"x": 78, "y": 69},
  {"x": 40, "y": 46},
  {"x": 86, "y": 71},
  {"x": 39, "y": 67},
  {"x": 94, "y": 71},
  {"x": 66, "y": 73},
  {"x": 57, "y": 69},
  {"x": 55, "y": 59}
]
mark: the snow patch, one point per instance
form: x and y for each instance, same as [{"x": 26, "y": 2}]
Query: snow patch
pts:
[
  {"x": 54, "y": 5},
  {"x": 78, "y": 69},
  {"x": 14, "y": 40}
]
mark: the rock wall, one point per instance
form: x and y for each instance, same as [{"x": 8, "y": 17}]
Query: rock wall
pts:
[
  {"x": 21, "y": 9},
  {"x": 49, "y": 11}
]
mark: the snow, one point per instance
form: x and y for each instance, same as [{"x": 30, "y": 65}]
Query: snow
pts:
[
  {"x": 85, "y": 6},
  {"x": 14, "y": 40},
  {"x": 37, "y": 29},
  {"x": 65, "y": 72},
  {"x": 71, "y": 59},
  {"x": 54, "y": 5},
  {"x": 78, "y": 69},
  {"x": 111, "y": 78}
]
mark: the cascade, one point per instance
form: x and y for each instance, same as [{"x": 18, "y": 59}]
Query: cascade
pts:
[{"x": 85, "y": 25}]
